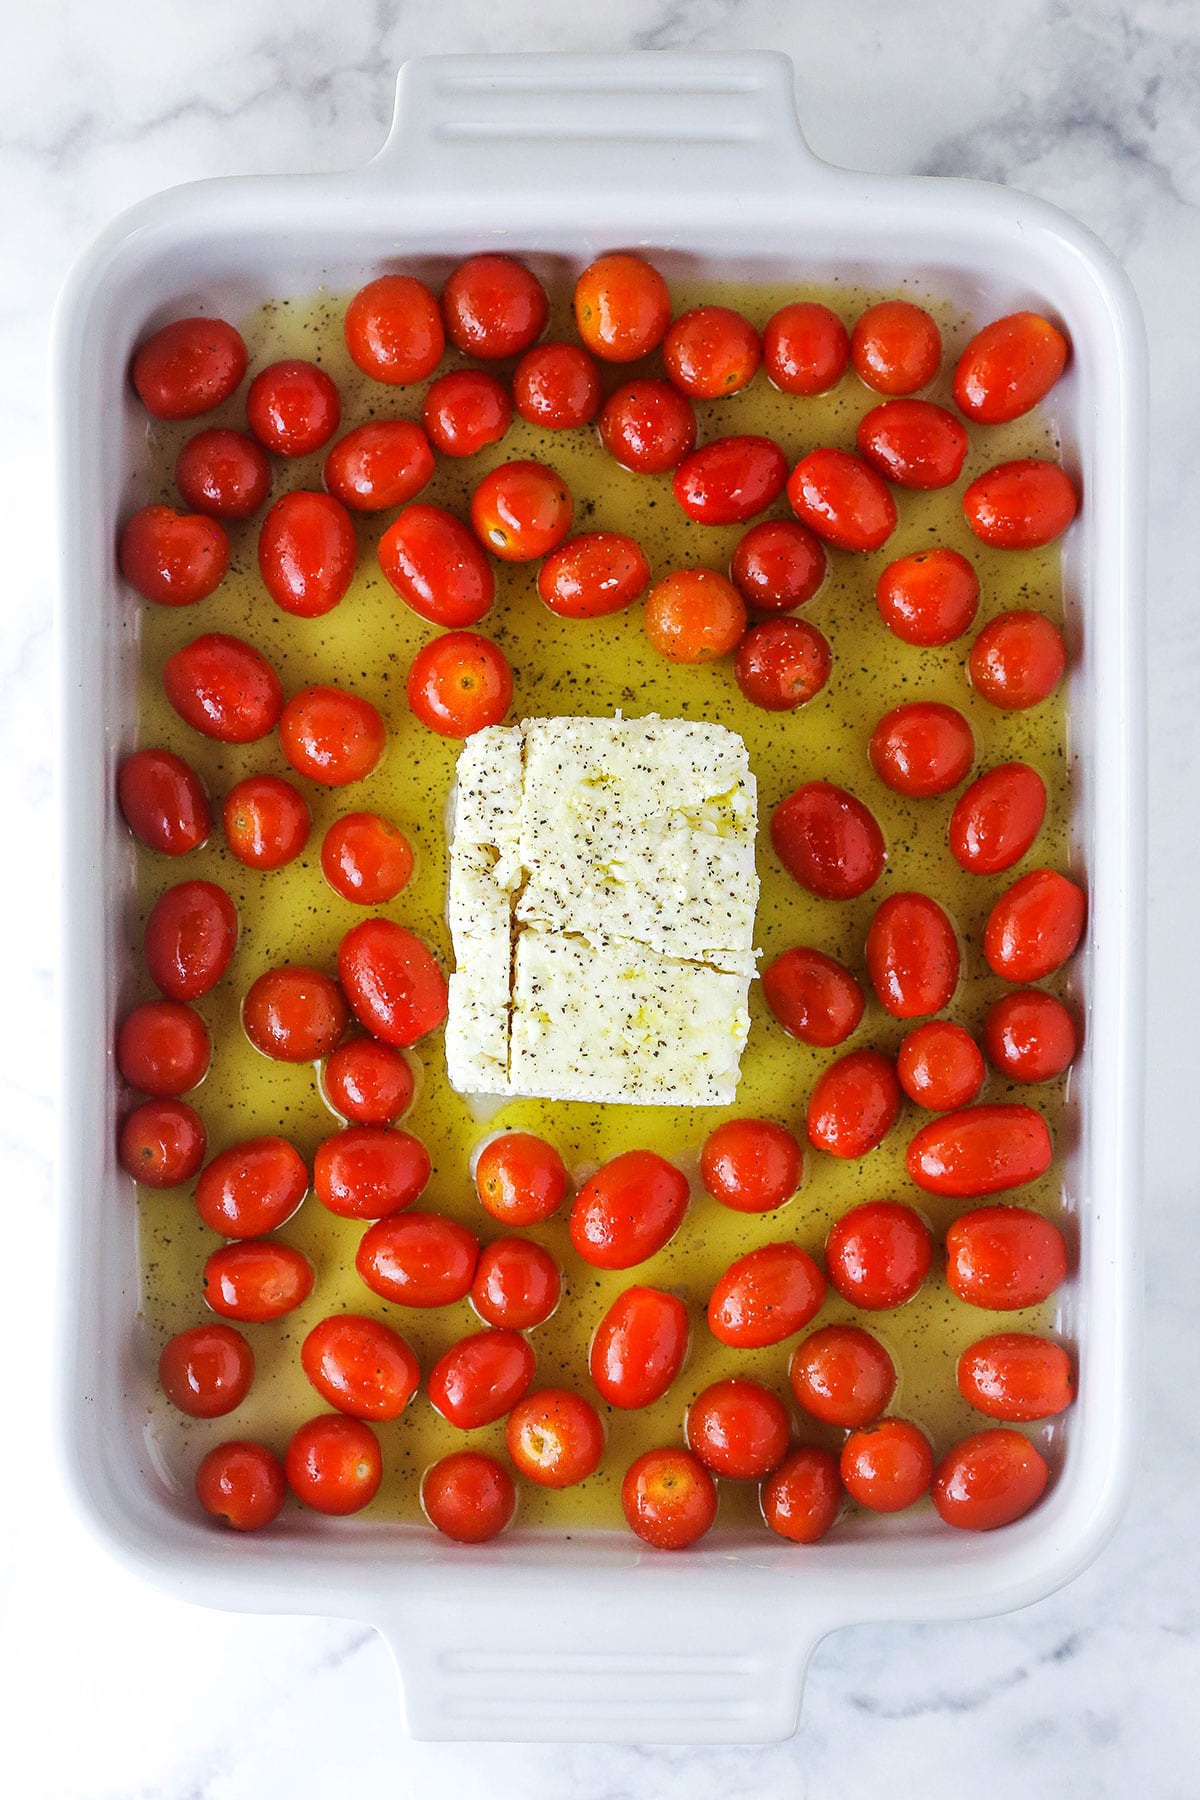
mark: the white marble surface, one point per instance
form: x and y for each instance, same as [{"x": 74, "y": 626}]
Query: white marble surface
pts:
[{"x": 111, "y": 1692}]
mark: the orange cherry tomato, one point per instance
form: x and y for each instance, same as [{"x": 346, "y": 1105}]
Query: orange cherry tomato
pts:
[
  {"x": 436, "y": 566},
  {"x": 765, "y": 1296},
  {"x": 224, "y": 688},
  {"x": 940, "y": 1066},
  {"x": 517, "y": 1284},
  {"x": 188, "y": 367},
  {"x": 1004, "y": 1257},
  {"x": 647, "y": 426},
  {"x": 190, "y": 938},
  {"x": 468, "y": 1497},
  {"x": 366, "y": 859},
  {"x": 738, "y": 1429},
  {"x": 842, "y": 1376},
  {"x": 163, "y": 802},
  {"x": 459, "y": 683},
  {"x": 728, "y": 481},
  {"x": 694, "y": 615},
  {"x": 162, "y": 1143},
  {"x": 828, "y": 841},
  {"x": 252, "y": 1188},
  {"x": 878, "y": 1255},
  {"x": 1030, "y": 1036},
  {"x": 1017, "y": 660},
  {"x": 520, "y": 1179},
  {"x": 669, "y": 1498},
  {"x": 1008, "y": 367},
  {"x": 394, "y": 985},
  {"x": 997, "y": 819},
  {"x": 814, "y": 998},
  {"x": 163, "y": 1048},
  {"x": 223, "y": 473},
  {"x": 639, "y": 1347},
  {"x": 628, "y": 1210},
  {"x": 294, "y": 1014},
  {"x": 293, "y": 407},
  {"x": 896, "y": 347},
  {"x": 334, "y": 1464},
  {"x": 801, "y": 1500},
  {"x": 418, "y": 1259},
  {"x": 370, "y": 1171},
  {"x": 306, "y": 553},
  {"x": 1014, "y": 1376},
  {"x": 266, "y": 821},
  {"x": 711, "y": 351},
  {"x": 367, "y": 1082},
  {"x": 1034, "y": 926},
  {"x": 173, "y": 558},
  {"x": 557, "y": 386},
  {"x": 913, "y": 443},
  {"x": 555, "y": 1438},
  {"x": 493, "y": 307},
  {"x": 465, "y": 411},
  {"x": 922, "y": 749},
  {"x": 912, "y": 956},
  {"x": 778, "y": 565},
  {"x": 521, "y": 511},
  {"x": 394, "y": 330},
  {"x": 596, "y": 573},
  {"x": 886, "y": 1466},
  {"x": 384, "y": 463},
  {"x": 980, "y": 1150},
  {"x": 782, "y": 663},
  {"x": 360, "y": 1367},
  {"x": 751, "y": 1165},
  {"x": 929, "y": 597},
  {"x": 1021, "y": 505},
  {"x": 331, "y": 736},
  {"x": 206, "y": 1372},
  {"x": 622, "y": 308},
  {"x": 481, "y": 1378},
  {"x": 854, "y": 1104},
  {"x": 989, "y": 1480},
  {"x": 806, "y": 348},
  {"x": 256, "y": 1280},
  {"x": 242, "y": 1484}
]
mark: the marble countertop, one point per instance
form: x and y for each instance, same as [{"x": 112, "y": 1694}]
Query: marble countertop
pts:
[{"x": 109, "y": 1691}]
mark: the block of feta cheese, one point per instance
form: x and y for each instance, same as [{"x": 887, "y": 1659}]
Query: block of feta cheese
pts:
[{"x": 601, "y": 905}]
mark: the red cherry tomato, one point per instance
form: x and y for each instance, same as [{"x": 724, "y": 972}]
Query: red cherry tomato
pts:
[
  {"x": 639, "y": 1347},
  {"x": 878, "y": 1255},
  {"x": 980, "y": 1150},
  {"x": 224, "y": 688},
  {"x": 628, "y": 1210},
  {"x": 778, "y": 565},
  {"x": 188, "y": 367},
  {"x": 940, "y": 1066},
  {"x": 854, "y": 1104},
  {"x": 1015, "y": 1376},
  {"x": 828, "y": 841},
  {"x": 1030, "y": 1036},
  {"x": 163, "y": 1048},
  {"x": 814, "y": 998},
  {"x": 554, "y": 1437},
  {"x": 517, "y": 1284},
  {"x": 1017, "y": 660},
  {"x": 306, "y": 553},
  {"x": 465, "y": 411},
  {"x": 751, "y": 1165},
  {"x": 173, "y": 558},
  {"x": 223, "y": 473},
  {"x": 929, "y": 597},
  {"x": 481, "y": 1378},
  {"x": 842, "y": 1376},
  {"x": 206, "y": 1372},
  {"x": 669, "y": 1498},
  {"x": 997, "y": 819},
  {"x": 294, "y": 1014},
  {"x": 1004, "y": 1257},
  {"x": 468, "y": 1497},
  {"x": 913, "y": 443},
  {"x": 711, "y": 351},
  {"x": 163, "y": 802},
  {"x": 738, "y": 1429},
  {"x": 331, "y": 736},
  {"x": 252, "y": 1188},
  {"x": 256, "y": 1280},
  {"x": 842, "y": 499},
  {"x": 370, "y": 1171},
  {"x": 806, "y": 348},
  {"x": 521, "y": 511},
  {"x": 394, "y": 330},
  {"x": 266, "y": 821},
  {"x": 460, "y": 683},
  {"x": 647, "y": 426},
  {"x": 802, "y": 1499},
  {"x": 190, "y": 938},
  {"x": 520, "y": 1179},
  {"x": 1008, "y": 367},
  {"x": 557, "y": 386},
  {"x": 366, "y": 859},
  {"x": 596, "y": 573},
  {"x": 912, "y": 956},
  {"x": 360, "y": 1367},
  {"x": 622, "y": 308},
  {"x": 989, "y": 1480},
  {"x": 922, "y": 749},
  {"x": 367, "y": 1082},
  {"x": 1021, "y": 505},
  {"x": 418, "y": 1259},
  {"x": 896, "y": 347},
  {"x": 293, "y": 407},
  {"x": 782, "y": 663},
  {"x": 384, "y": 463},
  {"x": 334, "y": 1465},
  {"x": 1034, "y": 926},
  {"x": 395, "y": 988},
  {"x": 765, "y": 1296},
  {"x": 694, "y": 615},
  {"x": 242, "y": 1484},
  {"x": 436, "y": 566},
  {"x": 162, "y": 1143},
  {"x": 886, "y": 1466},
  {"x": 728, "y": 481},
  {"x": 493, "y": 307}
]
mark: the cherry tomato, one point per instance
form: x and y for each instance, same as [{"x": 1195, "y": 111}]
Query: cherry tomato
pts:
[
  {"x": 778, "y": 565},
  {"x": 1004, "y": 1257},
  {"x": 596, "y": 573},
  {"x": 360, "y": 1367},
  {"x": 333, "y": 1464},
  {"x": 162, "y": 1143},
  {"x": 814, "y": 998},
  {"x": 394, "y": 330},
  {"x": 395, "y": 988},
  {"x": 711, "y": 351},
  {"x": 173, "y": 558},
  {"x": 306, "y": 553},
  {"x": 517, "y": 1284},
  {"x": 913, "y": 443},
  {"x": 1014, "y": 1376},
  {"x": 828, "y": 841},
  {"x": 557, "y": 386},
  {"x": 782, "y": 663},
  {"x": 206, "y": 1372},
  {"x": 465, "y": 411},
  {"x": 988, "y": 1480},
  {"x": 163, "y": 1048},
  {"x": 694, "y": 615},
  {"x": 669, "y": 1498},
  {"x": 293, "y": 407},
  {"x": 912, "y": 956},
  {"x": 801, "y": 1500},
  {"x": 555, "y": 1438},
  {"x": 1021, "y": 505},
  {"x": 878, "y": 1255},
  {"x": 331, "y": 736},
  {"x": 622, "y": 308},
  {"x": 190, "y": 938},
  {"x": 1034, "y": 926},
  {"x": 1017, "y": 660},
  {"x": 751, "y": 1165},
  {"x": 842, "y": 1376},
  {"x": 997, "y": 819},
  {"x": 854, "y": 1104},
  {"x": 163, "y": 802},
  {"x": 728, "y": 481},
  {"x": 460, "y": 683},
  {"x": 294, "y": 1014},
  {"x": 639, "y": 1347},
  {"x": 256, "y": 1280},
  {"x": 493, "y": 307},
  {"x": 922, "y": 749},
  {"x": 481, "y": 1378},
  {"x": 520, "y": 1179},
  {"x": 252, "y": 1188},
  {"x": 806, "y": 348},
  {"x": 647, "y": 426},
  {"x": 384, "y": 463},
  {"x": 241, "y": 1483},
  {"x": 1030, "y": 1036},
  {"x": 521, "y": 511},
  {"x": 366, "y": 859},
  {"x": 980, "y": 1150},
  {"x": 738, "y": 1429},
  {"x": 418, "y": 1259},
  {"x": 436, "y": 566},
  {"x": 188, "y": 367},
  {"x": 370, "y": 1171},
  {"x": 266, "y": 821},
  {"x": 628, "y": 1210},
  {"x": 886, "y": 1466},
  {"x": 765, "y": 1296},
  {"x": 468, "y": 1497},
  {"x": 940, "y": 1066},
  {"x": 896, "y": 347},
  {"x": 1008, "y": 367},
  {"x": 224, "y": 688},
  {"x": 929, "y": 597},
  {"x": 367, "y": 1082},
  {"x": 223, "y": 473}
]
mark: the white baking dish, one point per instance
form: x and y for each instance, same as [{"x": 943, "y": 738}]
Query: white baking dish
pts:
[{"x": 700, "y": 159}]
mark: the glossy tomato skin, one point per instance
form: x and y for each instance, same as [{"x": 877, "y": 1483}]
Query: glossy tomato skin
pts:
[
  {"x": 694, "y": 616},
  {"x": 465, "y": 411},
  {"x": 224, "y": 688},
  {"x": 394, "y": 330},
  {"x": 802, "y": 1499},
  {"x": 781, "y": 664},
  {"x": 922, "y": 749},
  {"x": 481, "y": 1378},
  {"x": 293, "y": 407},
  {"x": 622, "y": 308},
  {"x": 929, "y": 597},
  {"x": 223, "y": 473},
  {"x": 842, "y": 1376},
  {"x": 1004, "y": 1258},
  {"x": 331, "y": 736},
  {"x": 639, "y": 1347},
  {"x": 854, "y": 1104},
  {"x": 163, "y": 802},
  {"x": 1008, "y": 367},
  {"x": 806, "y": 348},
  {"x": 980, "y": 1150},
  {"x": 912, "y": 956},
  {"x": 366, "y": 859},
  {"x": 521, "y": 511},
  {"x": 252, "y": 1188},
  {"x": 669, "y": 1498},
  {"x": 1017, "y": 660},
  {"x": 334, "y": 1465},
  {"x": 940, "y": 1066},
  {"x": 711, "y": 351},
  {"x": 878, "y": 1255},
  {"x": 1030, "y": 1036},
  {"x": 394, "y": 985},
  {"x": 206, "y": 1372},
  {"x": 813, "y": 997},
  {"x": 520, "y": 1179},
  {"x": 517, "y": 1284},
  {"x": 628, "y": 1210},
  {"x": 842, "y": 499},
  {"x": 647, "y": 426},
  {"x": 1021, "y": 505},
  {"x": 913, "y": 443},
  {"x": 366, "y": 1082},
  {"x": 370, "y": 1171},
  {"x": 989, "y": 1480},
  {"x": 828, "y": 841},
  {"x": 242, "y": 1484},
  {"x": 896, "y": 347},
  {"x": 765, "y": 1296},
  {"x": 554, "y": 1437},
  {"x": 173, "y": 558},
  {"x": 739, "y": 1429},
  {"x": 163, "y": 1048},
  {"x": 306, "y": 553},
  {"x": 460, "y": 683},
  {"x": 418, "y": 1259},
  {"x": 468, "y": 1497},
  {"x": 997, "y": 819},
  {"x": 596, "y": 573},
  {"x": 557, "y": 386},
  {"x": 778, "y": 565},
  {"x": 1016, "y": 1377},
  {"x": 360, "y": 1367},
  {"x": 751, "y": 1165},
  {"x": 162, "y": 1143},
  {"x": 188, "y": 367},
  {"x": 381, "y": 464},
  {"x": 886, "y": 1466},
  {"x": 1034, "y": 927},
  {"x": 266, "y": 821},
  {"x": 436, "y": 566},
  {"x": 493, "y": 307},
  {"x": 191, "y": 935},
  {"x": 256, "y": 1280},
  {"x": 294, "y": 1014}
]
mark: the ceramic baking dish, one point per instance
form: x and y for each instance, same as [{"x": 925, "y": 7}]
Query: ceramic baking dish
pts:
[{"x": 699, "y": 159}]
